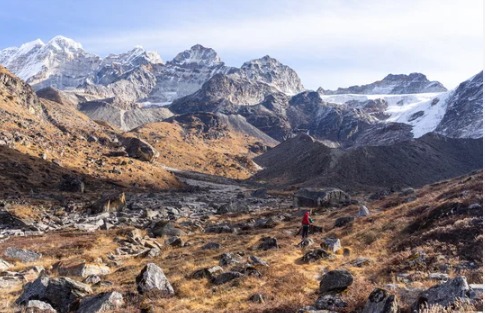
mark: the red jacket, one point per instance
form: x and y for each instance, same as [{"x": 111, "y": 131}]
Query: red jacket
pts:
[{"x": 306, "y": 219}]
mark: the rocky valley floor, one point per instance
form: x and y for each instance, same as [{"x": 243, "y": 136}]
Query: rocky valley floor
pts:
[{"x": 222, "y": 246}]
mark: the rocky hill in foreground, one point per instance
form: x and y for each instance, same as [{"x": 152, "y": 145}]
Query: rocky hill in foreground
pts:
[
  {"x": 169, "y": 252},
  {"x": 45, "y": 142}
]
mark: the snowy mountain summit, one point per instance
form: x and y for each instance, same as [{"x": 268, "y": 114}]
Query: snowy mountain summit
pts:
[
  {"x": 393, "y": 84},
  {"x": 198, "y": 55}
]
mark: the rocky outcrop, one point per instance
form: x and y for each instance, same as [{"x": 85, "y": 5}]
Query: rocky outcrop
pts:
[
  {"x": 62, "y": 293},
  {"x": 321, "y": 197},
  {"x": 444, "y": 294},
  {"x": 14, "y": 89},
  {"x": 22, "y": 255},
  {"x": 103, "y": 302}
]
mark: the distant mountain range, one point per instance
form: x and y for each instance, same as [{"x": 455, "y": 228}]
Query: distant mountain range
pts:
[{"x": 129, "y": 89}]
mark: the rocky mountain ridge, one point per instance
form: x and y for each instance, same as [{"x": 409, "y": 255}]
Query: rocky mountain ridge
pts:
[
  {"x": 137, "y": 75},
  {"x": 127, "y": 90},
  {"x": 392, "y": 84}
]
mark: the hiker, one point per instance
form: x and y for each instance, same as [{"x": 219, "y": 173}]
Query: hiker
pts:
[{"x": 305, "y": 224}]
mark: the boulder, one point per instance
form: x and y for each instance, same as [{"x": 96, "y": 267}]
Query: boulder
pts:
[
  {"x": 83, "y": 269},
  {"x": 139, "y": 149},
  {"x": 363, "y": 211},
  {"x": 103, "y": 302},
  {"x": 321, "y": 197},
  {"x": 342, "y": 221},
  {"x": 444, "y": 294},
  {"x": 267, "y": 243},
  {"x": 315, "y": 255},
  {"x": 71, "y": 183},
  {"x": 218, "y": 229},
  {"x": 152, "y": 278},
  {"x": 380, "y": 301},
  {"x": 61, "y": 293},
  {"x": 36, "y": 306},
  {"x": 211, "y": 246},
  {"x": 209, "y": 272},
  {"x": 226, "y": 277},
  {"x": 331, "y": 244},
  {"x": 92, "y": 279},
  {"x": 330, "y": 302},
  {"x": 335, "y": 281},
  {"x": 229, "y": 258},
  {"x": 165, "y": 228},
  {"x": 22, "y": 255}
]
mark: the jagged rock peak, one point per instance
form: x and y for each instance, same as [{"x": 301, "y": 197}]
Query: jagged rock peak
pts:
[
  {"x": 273, "y": 72},
  {"x": 198, "y": 55}
]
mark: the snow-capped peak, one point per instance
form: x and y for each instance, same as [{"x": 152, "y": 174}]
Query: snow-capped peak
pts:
[
  {"x": 27, "y": 47},
  {"x": 198, "y": 55},
  {"x": 64, "y": 43}
]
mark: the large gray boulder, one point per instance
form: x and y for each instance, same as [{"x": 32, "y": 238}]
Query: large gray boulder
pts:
[
  {"x": 380, "y": 301},
  {"x": 140, "y": 149},
  {"x": 321, "y": 197},
  {"x": 61, "y": 293},
  {"x": 152, "y": 278},
  {"x": 83, "y": 269},
  {"x": 444, "y": 294},
  {"x": 335, "y": 281},
  {"x": 103, "y": 302},
  {"x": 21, "y": 254}
]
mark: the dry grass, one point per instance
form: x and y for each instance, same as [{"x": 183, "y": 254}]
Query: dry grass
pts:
[
  {"x": 287, "y": 284},
  {"x": 228, "y": 156}
]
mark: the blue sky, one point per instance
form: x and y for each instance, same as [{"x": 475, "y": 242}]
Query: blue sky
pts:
[{"x": 329, "y": 43}]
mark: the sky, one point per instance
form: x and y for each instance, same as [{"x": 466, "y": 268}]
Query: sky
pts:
[{"x": 330, "y": 43}]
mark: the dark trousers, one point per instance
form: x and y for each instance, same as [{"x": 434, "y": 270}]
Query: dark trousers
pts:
[{"x": 304, "y": 231}]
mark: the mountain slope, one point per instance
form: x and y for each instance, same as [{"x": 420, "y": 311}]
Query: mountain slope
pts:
[
  {"x": 42, "y": 140},
  {"x": 464, "y": 111},
  {"x": 414, "y": 163}
]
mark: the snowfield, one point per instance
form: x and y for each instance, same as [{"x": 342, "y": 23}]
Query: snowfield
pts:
[{"x": 423, "y": 111}]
